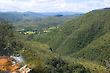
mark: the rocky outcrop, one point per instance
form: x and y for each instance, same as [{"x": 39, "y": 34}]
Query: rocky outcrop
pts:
[
  {"x": 9, "y": 65},
  {"x": 24, "y": 69}
]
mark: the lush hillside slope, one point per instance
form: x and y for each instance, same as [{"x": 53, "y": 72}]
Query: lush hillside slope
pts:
[
  {"x": 86, "y": 37},
  {"x": 85, "y": 30},
  {"x": 36, "y": 55}
]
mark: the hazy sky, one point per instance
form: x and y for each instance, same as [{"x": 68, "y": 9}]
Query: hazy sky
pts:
[{"x": 53, "y": 5}]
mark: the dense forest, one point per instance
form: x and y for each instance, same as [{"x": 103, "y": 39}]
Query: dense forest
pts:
[{"x": 80, "y": 44}]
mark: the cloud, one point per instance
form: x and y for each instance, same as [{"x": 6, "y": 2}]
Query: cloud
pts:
[
  {"x": 107, "y": 3},
  {"x": 106, "y": 0},
  {"x": 52, "y": 5}
]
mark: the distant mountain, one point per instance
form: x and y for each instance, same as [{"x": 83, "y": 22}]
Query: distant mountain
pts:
[
  {"x": 50, "y": 20},
  {"x": 22, "y": 16},
  {"x": 61, "y": 13},
  {"x": 18, "y": 16}
]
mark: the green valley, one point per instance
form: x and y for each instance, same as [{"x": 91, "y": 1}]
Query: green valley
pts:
[
  {"x": 60, "y": 43},
  {"x": 86, "y": 37}
]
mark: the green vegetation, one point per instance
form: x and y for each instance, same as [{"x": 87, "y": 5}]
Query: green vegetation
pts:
[
  {"x": 36, "y": 55},
  {"x": 77, "y": 34},
  {"x": 86, "y": 37},
  {"x": 12, "y": 17},
  {"x": 78, "y": 46},
  {"x": 43, "y": 25},
  {"x": 8, "y": 43}
]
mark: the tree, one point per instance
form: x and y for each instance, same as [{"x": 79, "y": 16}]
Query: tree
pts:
[{"x": 8, "y": 43}]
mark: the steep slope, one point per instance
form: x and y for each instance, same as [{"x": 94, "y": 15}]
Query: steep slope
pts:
[
  {"x": 77, "y": 34},
  {"x": 86, "y": 37},
  {"x": 98, "y": 50}
]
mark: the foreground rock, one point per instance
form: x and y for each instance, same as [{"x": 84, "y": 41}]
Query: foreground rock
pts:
[{"x": 10, "y": 65}]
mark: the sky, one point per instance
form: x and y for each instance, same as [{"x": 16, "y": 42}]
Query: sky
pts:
[{"x": 53, "y": 5}]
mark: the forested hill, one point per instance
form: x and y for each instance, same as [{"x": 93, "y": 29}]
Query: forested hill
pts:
[
  {"x": 46, "y": 22},
  {"x": 87, "y": 37},
  {"x": 26, "y": 16},
  {"x": 79, "y": 46},
  {"x": 19, "y": 16}
]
